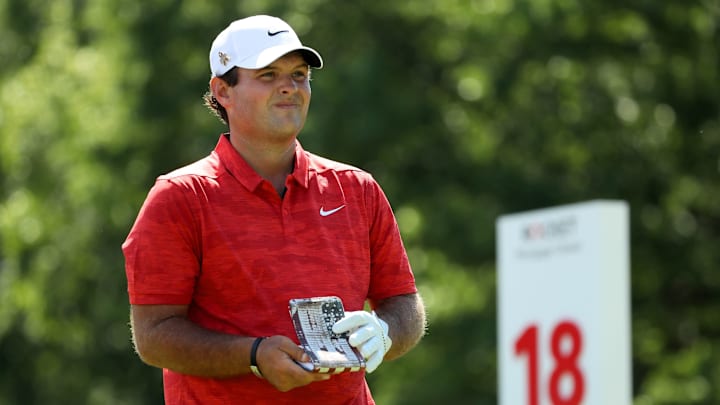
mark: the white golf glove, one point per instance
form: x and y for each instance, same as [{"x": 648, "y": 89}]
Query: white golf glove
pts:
[{"x": 368, "y": 333}]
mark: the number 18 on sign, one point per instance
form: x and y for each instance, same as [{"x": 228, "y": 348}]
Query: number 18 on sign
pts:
[{"x": 564, "y": 305}]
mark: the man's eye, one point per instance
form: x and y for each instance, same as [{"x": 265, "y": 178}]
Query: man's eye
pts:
[
  {"x": 299, "y": 75},
  {"x": 269, "y": 74}
]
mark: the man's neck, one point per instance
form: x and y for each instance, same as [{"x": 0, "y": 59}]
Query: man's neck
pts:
[{"x": 272, "y": 161}]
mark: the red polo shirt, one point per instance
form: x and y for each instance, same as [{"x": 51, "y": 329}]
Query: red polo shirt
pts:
[{"x": 216, "y": 236}]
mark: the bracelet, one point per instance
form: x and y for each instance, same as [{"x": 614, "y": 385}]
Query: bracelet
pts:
[{"x": 253, "y": 361}]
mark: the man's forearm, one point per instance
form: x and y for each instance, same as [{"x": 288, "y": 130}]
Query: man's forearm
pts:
[
  {"x": 177, "y": 344},
  {"x": 405, "y": 316}
]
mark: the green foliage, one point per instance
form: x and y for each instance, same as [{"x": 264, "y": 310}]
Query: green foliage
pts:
[{"x": 464, "y": 110}]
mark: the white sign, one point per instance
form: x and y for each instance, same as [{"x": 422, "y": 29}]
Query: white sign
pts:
[{"x": 564, "y": 305}]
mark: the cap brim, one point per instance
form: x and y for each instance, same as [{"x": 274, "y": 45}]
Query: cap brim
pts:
[{"x": 270, "y": 55}]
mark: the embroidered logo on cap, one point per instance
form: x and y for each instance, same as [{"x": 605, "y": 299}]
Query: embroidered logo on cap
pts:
[{"x": 224, "y": 59}]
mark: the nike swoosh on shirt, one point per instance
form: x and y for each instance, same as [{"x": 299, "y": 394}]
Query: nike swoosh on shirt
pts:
[{"x": 324, "y": 213}]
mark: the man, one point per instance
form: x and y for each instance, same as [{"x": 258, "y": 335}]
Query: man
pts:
[{"x": 220, "y": 246}]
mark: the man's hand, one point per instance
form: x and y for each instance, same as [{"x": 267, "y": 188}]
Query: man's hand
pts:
[
  {"x": 277, "y": 358},
  {"x": 368, "y": 333}
]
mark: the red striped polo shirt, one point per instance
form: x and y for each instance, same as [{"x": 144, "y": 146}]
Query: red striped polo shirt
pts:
[{"x": 216, "y": 236}]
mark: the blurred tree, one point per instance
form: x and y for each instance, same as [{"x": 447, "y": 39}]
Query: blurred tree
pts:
[{"x": 464, "y": 110}]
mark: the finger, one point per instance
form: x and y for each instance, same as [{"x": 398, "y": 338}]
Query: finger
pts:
[
  {"x": 299, "y": 355},
  {"x": 361, "y": 336},
  {"x": 321, "y": 377},
  {"x": 351, "y": 321},
  {"x": 293, "y": 351},
  {"x": 372, "y": 346},
  {"x": 373, "y": 362}
]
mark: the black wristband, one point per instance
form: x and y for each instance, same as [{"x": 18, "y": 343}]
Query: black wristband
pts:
[{"x": 253, "y": 361}]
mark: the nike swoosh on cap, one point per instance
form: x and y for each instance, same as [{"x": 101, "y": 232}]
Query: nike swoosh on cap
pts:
[
  {"x": 272, "y": 34},
  {"x": 324, "y": 213}
]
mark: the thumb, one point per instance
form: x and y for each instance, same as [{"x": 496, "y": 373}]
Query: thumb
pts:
[
  {"x": 292, "y": 350},
  {"x": 351, "y": 321},
  {"x": 299, "y": 354}
]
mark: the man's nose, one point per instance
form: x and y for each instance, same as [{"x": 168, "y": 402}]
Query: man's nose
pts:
[{"x": 288, "y": 85}]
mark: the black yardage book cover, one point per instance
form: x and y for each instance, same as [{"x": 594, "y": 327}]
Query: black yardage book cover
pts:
[{"x": 329, "y": 352}]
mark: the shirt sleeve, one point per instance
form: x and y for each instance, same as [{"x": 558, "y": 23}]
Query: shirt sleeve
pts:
[
  {"x": 162, "y": 250},
  {"x": 391, "y": 273}
]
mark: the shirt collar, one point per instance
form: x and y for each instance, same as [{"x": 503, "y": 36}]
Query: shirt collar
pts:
[
  {"x": 246, "y": 175},
  {"x": 301, "y": 173}
]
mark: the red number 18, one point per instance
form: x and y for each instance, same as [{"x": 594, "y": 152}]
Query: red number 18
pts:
[{"x": 566, "y": 363}]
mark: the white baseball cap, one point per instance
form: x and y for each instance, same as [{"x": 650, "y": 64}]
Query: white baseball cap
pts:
[{"x": 255, "y": 42}]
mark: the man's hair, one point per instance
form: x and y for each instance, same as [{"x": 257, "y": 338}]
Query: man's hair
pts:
[{"x": 231, "y": 78}]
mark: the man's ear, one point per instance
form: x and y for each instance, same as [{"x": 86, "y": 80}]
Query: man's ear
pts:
[{"x": 220, "y": 90}]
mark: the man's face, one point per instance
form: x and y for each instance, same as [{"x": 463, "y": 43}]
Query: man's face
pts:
[{"x": 270, "y": 103}]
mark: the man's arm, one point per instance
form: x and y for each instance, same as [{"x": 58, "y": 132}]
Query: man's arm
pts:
[
  {"x": 405, "y": 316},
  {"x": 165, "y": 338}
]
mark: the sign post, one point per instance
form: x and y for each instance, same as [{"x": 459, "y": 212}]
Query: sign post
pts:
[{"x": 564, "y": 305}]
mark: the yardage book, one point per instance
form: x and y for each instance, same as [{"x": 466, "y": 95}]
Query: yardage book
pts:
[{"x": 329, "y": 352}]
